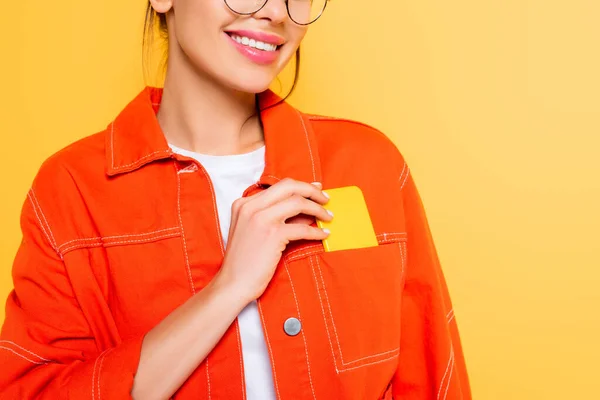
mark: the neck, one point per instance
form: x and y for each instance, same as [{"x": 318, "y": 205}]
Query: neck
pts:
[{"x": 199, "y": 114}]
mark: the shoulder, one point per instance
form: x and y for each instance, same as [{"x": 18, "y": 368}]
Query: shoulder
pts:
[
  {"x": 356, "y": 140},
  {"x": 76, "y": 160},
  {"x": 56, "y": 195}
]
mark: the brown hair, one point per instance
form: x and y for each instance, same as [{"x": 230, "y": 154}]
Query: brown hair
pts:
[{"x": 158, "y": 22}]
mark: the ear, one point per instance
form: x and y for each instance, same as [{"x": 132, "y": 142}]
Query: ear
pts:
[{"x": 161, "y": 6}]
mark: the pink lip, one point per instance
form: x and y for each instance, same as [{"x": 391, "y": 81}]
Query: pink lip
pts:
[
  {"x": 255, "y": 55},
  {"x": 260, "y": 36}
]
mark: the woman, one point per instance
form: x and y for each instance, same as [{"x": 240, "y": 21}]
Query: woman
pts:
[{"x": 176, "y": 253}]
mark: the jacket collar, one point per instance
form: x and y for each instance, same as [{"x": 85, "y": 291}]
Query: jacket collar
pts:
[{"x": 135, "y": 139}]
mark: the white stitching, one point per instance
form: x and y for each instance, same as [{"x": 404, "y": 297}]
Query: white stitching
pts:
[
  {"x": 79, "y": 246},
  {"x": 405, "y": 179},
  {"x": 112, "y": 147},
  {"x": 24, "y": 349},
  {"x": 262, "y": 317},
  {"x": 317, "y": 249},
  {"x": 335, "y": 329},
  {"x": 44, "y": 217},
  {"x": 387, "y": 241},
  {"x": 370, "y": 363},
  {"x": 237, "y": 328},
  {"x": 100, "y": 369},
  {"x": 309, "y": 147},
  {"x": 185, "y": 252},
  {"x": 402, "y": 172},
  {"x": 94, "y": 373},
  {"x": 108, "y": 243},
  {"x": 288, "y": 255},
  {"x": 143, "y": 158},
  {"x": 212, "y": 193},
  {"x": 310, "y": 253},
  {"x": 404, "y": 255},
  {"x": 112, "y": 151},
  {"x": 41, "y": 224},
  {"x": 312, "y": 267},
  {"x": 189, "y": 169},
  {"x": 446, "y": 373},
  {"x": 403, "y": 234},
  {"x": 337, "y": 339},
  {"x": 94, "y": 378},
  {"x": 450, "y": 315},
  {"x": 271, "y": 176},
  {"x": 301, "y": 331},
  {"x": 117, "y": 236},
  {"x": 450, "y": 376},
  {"x": 22, "y": 356},
  {"x": 402, "y": 248},
  {"x": 208, "y": 378}
]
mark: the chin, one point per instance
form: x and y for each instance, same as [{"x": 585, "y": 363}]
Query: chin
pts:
[{"x": 251, "y": 82}]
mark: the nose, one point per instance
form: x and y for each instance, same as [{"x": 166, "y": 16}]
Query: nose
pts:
[{"x": 274, "y": 11}]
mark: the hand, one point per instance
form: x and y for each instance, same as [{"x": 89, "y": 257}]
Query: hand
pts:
[{"x": 261, "y": 227}]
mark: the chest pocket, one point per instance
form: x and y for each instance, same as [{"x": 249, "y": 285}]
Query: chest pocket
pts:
[{"x": 359, "y": 295}]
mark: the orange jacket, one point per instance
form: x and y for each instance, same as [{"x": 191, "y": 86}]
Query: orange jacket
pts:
[{"x": 118, "y": 231}]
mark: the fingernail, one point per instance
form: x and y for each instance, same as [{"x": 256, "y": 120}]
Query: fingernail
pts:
[
  {"x": 325, "y": 194},
  {"x": 327, "y": 231},
  {"x": 330, "y": 213},
  {"x": 319, "y": 184}
]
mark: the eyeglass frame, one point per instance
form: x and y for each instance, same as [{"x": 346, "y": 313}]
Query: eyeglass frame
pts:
[{"x": 287, "y": 7}]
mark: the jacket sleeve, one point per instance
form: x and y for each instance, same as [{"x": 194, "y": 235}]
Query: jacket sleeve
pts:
[
  {"x": 47, "y": 348},
  {"x": 431, "y": 362}
]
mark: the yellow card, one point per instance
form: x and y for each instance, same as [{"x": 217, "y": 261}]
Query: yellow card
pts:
[{"x": 351, "y": 227}]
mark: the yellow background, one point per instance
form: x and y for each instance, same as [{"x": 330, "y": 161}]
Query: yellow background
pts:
[{"x": 495, "y": 104}]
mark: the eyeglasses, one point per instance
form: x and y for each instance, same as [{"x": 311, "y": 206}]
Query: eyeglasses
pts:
[{"x": 302, "y": 12}]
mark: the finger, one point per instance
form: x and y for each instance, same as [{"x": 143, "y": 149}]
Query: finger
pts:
[
  {"x": 289, "y": 187},
  {"x": 235, "y": 211},
  {"x": 301, "y": 219},
  {"x": 293, "y": 232},
  {"x": 293, "y": 206}
]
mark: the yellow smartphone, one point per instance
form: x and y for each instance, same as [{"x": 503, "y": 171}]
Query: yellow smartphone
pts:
[{"x": 351, "y": 227}]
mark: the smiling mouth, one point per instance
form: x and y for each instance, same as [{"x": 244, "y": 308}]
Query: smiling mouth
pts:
[{"x": 253, "y": 43}]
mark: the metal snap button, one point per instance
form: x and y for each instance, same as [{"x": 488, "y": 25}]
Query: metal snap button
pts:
[{"x": 292, "y": 326}]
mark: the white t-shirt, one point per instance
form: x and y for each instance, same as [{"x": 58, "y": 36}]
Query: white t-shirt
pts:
[{"x": 230, "y": 176}]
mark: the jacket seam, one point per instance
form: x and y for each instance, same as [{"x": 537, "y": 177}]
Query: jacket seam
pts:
[
  {"x": 180, "y": 221},
  {"x": 22, "y": 356},
  {"x": 237, "y": 334},
  {"x": 403, "y": 178},
  {"x": 382, "y": 238},
  {"x": 108, "y": 238},
  {"x": 449, "y": 368},
  {"x": 301, "y": 330},
  {"x": 40, "y": 360},
  {"x": 337, "y": 340},
  {"x": 140, "y": 159},
  {"x": 262, "y": 318},
  {"x": 100, "y": 357},
  {"x": 47, "y": 233},
  {"x": 312, "y": 160},
  {"x": 43, "y": 217},
  {"x": 108, "y": 243}
]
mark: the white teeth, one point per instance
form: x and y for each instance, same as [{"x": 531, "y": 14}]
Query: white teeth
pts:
[{"x": 254, "y": 43}]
